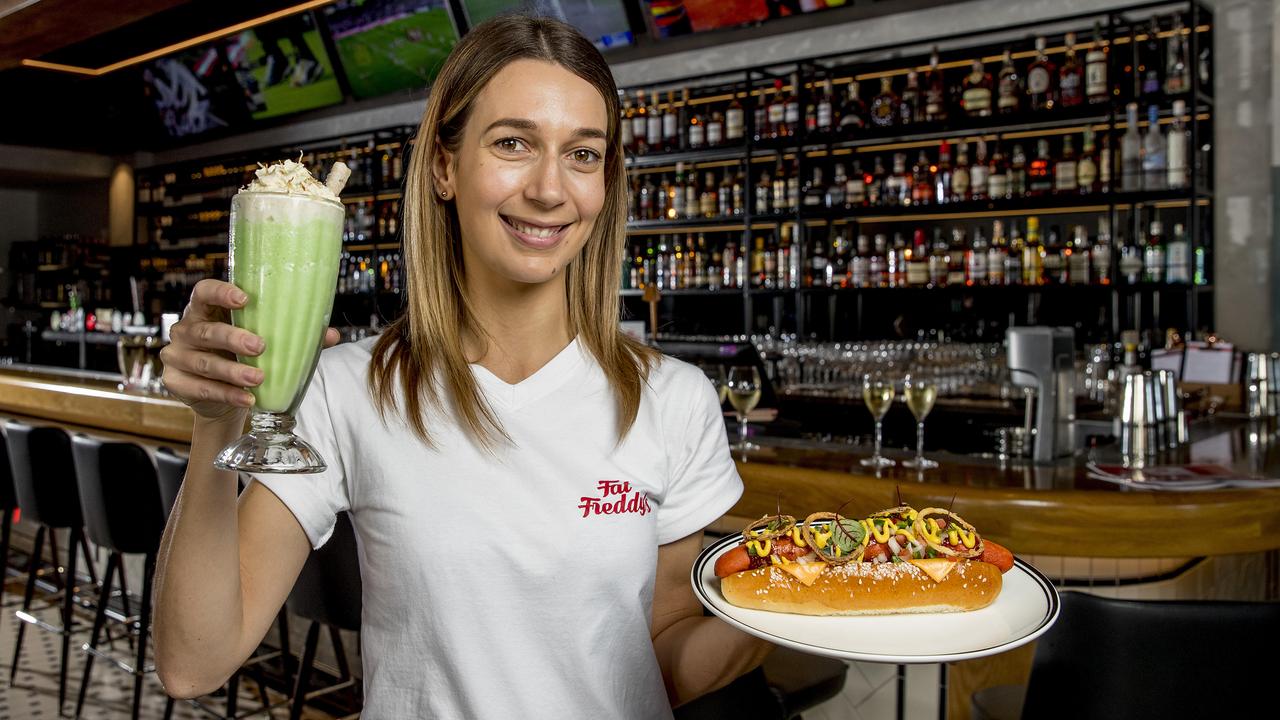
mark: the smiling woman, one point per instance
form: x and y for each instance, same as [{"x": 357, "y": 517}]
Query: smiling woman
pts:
[{"x": 505, "y": 407}]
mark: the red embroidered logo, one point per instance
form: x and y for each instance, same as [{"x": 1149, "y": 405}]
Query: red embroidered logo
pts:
[{"x": 615, "y": 498}]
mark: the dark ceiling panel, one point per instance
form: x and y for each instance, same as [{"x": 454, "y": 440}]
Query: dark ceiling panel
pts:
[{"x": 49, "y": 25}]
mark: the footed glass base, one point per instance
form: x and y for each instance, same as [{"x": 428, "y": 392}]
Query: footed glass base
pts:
[
  {"x": 270, "y": 447},
  {"x": 920, "y": 463},
  {"x": 877, "y": 461}
]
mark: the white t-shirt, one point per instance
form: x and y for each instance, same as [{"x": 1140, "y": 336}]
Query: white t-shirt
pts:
[{"x": 517, "y": 583}]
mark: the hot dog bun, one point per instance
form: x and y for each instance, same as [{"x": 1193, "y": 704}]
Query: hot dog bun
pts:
[{"x": 861, "y": 588}]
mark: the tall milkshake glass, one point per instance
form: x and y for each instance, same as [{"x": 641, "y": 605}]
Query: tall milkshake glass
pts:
[{"x": 284, "y": 254}]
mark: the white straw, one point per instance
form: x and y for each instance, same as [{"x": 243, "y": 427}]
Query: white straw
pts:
[{"x": 337, "y": 179}]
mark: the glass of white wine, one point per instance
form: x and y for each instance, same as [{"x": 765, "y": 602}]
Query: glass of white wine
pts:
[
  {"x": 744, "y": 393},
  {"x": 715, "y": 373},
  {"x": 877, "y": 393},
  {"x": 920, "y": 390}
]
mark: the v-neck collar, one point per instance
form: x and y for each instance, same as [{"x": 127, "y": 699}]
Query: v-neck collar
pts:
[{"x": 545, "y": 379}]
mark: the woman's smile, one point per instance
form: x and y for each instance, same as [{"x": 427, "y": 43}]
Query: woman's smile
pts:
[{"x": 540, "y": 235}]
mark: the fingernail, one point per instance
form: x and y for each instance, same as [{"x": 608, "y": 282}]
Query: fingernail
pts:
[
  {"x": 255, "y": 344},
  {"x": 246, "y": 400},
  {"x": 239, "y": 297},
  {"x": 253, "y": 376}
]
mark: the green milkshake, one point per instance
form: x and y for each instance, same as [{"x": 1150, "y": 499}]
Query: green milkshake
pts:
[{"x": 286, "y": 241}]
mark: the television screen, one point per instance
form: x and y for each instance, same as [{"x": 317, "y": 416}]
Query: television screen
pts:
[
  {"x": 669, "y": 18},
  {"x": 603, "y": 21},
  {"x": 274, "y": 69},
  {"x": 390, "y": 45}
]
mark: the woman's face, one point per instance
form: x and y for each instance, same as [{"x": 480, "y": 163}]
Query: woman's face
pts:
[{"x": 528, "y": 179}]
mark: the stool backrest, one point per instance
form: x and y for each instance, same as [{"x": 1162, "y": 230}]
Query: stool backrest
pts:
[
  {"x": 118, "y": 494},
  {"x": 8, "y": 495},
  {"x": 170, "y": 469},
  {"x": 328, "y": 588},
  {"x": 44, "y": 476},
  {"x": 1136, "y": 659}
]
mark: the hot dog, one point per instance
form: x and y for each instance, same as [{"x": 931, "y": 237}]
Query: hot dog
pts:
[{"x": 898, "y": 560}]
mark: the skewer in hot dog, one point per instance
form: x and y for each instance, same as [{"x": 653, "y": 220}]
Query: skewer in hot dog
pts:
[{"x": 895, "y": 561}]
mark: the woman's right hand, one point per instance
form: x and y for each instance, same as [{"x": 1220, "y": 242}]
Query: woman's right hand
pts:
[{"x": 200, "y": 365}]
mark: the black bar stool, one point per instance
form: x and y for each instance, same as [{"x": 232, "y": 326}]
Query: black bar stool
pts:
[
  {"x": 327, "y": 592},
  {"x": 8, "y": 503},
  {"x": 120, "y": 500},
  {"x": 171, "y": 468},
  {"x": 45, "y": 481}
]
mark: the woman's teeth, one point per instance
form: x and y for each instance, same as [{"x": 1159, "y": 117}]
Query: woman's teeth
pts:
[{"x": 534, "y": 230}]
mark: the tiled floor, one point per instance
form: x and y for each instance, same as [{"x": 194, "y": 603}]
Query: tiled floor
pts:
[
  {"x": 871, "y": 693},
  {"x": 34, "y": 695}
]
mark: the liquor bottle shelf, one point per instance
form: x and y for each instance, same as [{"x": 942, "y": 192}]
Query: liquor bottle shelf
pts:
[
  {"x": 720, "y": 152},
  {"x": 730, "y": 223},
  {"x": 1012, "y": 289},
  {"x": 1066, "y": 202}
]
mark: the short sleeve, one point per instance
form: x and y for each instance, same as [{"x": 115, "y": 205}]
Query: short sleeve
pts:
[
  {"x": 315, "y": 499},
  {"x": 703, "y": 483}
]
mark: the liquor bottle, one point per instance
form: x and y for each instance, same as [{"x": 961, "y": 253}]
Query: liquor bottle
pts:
[
  {"x": 834, "y": 196},
  {"x": 878, "y": 263},
  {"x": 653, "y": 127},
  {"x": 1078, "y": 266},
  {"x": 763, "y": 265},
  {"x": 895, "y": 261},
  {"x": 777, "y": 112},
  {"x": 957, "y": 258},
  {"x": 1130, "y": 261},
  {"x": 729, "y": 266},
  {"x": 1096, "y": 88},
  {"x": 1176, "y": 144},
  {"x": 646, "y": 203},
  {"x": 1131, "y": 151},
  {"x": 715, "y": 129},
  {"x": 910, "y": 107},
  {"x": 860, "y": 263},
  {"x": 1153, "y": 255},
  {"x": 997, "y": 255},
  {"x": 1178, "y": 257},
  {"x": 819, "y": 274},
  {"x": 1054, "y": 259},
  {"x": 1106, "y": 164},
  {"x": 1087, "y": 167},
  {"x": 978, "y": 173},
  {"x": 791, "y": 111},
  {"x": 640, "y": 124},
  {"x": 921, "y": 182},
  {"x": 696, "y": 134},
  {"x": 875, "y": 187},
  {"x": 1100, "y": 253},
  {"x": 897, "y": 185},
  {"x": 708, "y": 203},
  {"x": 935, "y": 91},
  {"x": 793, "y": 189},
  {"x": 661, "y": 268},
  {"x": 734, "y": 121},
  {"x": 628, "y": 129},
  {"x": 1014, "y": 268},
  {"x": 764, "y": 195},
  {"x": 1071, "y": 76},
  {"x": 939, "y": 259},
  {"x": 853, "y": 116},
  {"x": 676, "y": 209},
  {"x": 1177, "y": 74},
  {"x": 840, "y": 260},
  {"x": 997, "y": 176},
  {"x": 1041, "y": 74},
  {"x": 1065, "y": 171},
  {"x": 855, "y": 187},
  {"x": 976, "y": 97},
  {"x": 918, "y": 261},
  {"x": 814, "y": 195},
  {"x": 1040, "y": 172},
  {"x": 724, "y": 198},
  {"x": 1149, "y": 60},
  {"x": 975, "y": 260},
  {"x": 942, "y": 177},
  {"x": 884, "y": 107},
  {"x": 1200, "y": 273},
  {"x": 738, "y": 189},
  {"x": 1009, "y": 86},
  {"x": 1155, "y": 168},
  {"x": 671, "y": 124},
  {"x": 961, "y": 176},
  {"x": 1033, "y": 254},
  {"x": 824, "y": 120},
  {"x": 662, "y": 200},
  {"x": 1017, "y": 172},
  {"x": 779, "y": 199}
]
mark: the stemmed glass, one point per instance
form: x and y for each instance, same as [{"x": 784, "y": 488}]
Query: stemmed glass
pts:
[
  {"x": 744, "y": 393},
  {"x": 877, "y": 393},
  {"x": 921, "y": 391},
  {"x": 716, "y": 375}
]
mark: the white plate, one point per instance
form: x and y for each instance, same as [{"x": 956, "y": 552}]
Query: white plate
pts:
[{"x": 1026, "y": 607}]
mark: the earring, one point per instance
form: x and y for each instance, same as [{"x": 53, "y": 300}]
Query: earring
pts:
[{"x": 444, "y": 194}]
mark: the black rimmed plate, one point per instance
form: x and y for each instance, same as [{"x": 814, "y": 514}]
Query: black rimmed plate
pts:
[{"x": 1027, "y": 606}]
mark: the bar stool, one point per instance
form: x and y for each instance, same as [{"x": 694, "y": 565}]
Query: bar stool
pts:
[
  {"x": 8, "y": 503},
  {"x": 171, "y": 468},
  {"x": 327, "y": 592},
  {"x": 51, "y": 500},
  {"x": 120, "y": 500}
]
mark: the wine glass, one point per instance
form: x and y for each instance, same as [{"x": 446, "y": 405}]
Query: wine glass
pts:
[
  {"x": 744, "y": 393},
  {"x": 715, "y": 374},
  {"x": 921, "y": 391},
  {"x": 877, "y": 393}
]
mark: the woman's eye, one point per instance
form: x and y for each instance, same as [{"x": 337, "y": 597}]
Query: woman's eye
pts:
[
  {"x": 585, "y": 156},
  {"x": 508, "y": 145}
]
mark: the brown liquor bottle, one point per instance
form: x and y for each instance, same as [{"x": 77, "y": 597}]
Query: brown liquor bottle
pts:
[
  {"x": 884, "y": 107},
  {"x": 976, "y": 98},
  {"x": 1009, "y": 87},
  {"x": 1071, "y": 77},
  {"x": 1041, "y": 79},
  {"x": 935, "y": 91}
]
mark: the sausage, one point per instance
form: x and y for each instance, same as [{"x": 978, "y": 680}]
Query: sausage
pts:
[
  {"x": 738, "y": 559},
  {"x": 997, "y": 555}
]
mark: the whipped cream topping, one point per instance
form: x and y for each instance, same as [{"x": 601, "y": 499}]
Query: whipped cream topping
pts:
[{"x": 287, "y": 177}]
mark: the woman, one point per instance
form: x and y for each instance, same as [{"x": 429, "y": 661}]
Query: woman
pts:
[{"x": 529, "y": 487}]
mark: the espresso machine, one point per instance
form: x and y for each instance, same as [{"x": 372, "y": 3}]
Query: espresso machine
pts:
[{"x": 1043, "y": 359}]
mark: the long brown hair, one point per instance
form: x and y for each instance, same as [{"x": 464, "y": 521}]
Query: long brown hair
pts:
[{"x": 425, "y": 343}]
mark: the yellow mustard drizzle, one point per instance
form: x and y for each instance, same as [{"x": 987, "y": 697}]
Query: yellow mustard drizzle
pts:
[
  {"x": 821, "y": 538},
  {"x": 795, "y": 537},
  {"x": 931, "y": 531},
  {"x": 968, "y": 538},
  {"x": 761, "y": 550},
  {"x": 882, "y": 535},
  {"x": 779, "y": 560},
  {"x": 955, "y": 539},
  {"x": 907, "y": 533}
]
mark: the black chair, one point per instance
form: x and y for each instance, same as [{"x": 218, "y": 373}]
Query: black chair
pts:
[
  {"x": 120, "y": 501},
  {"x": 1138, "y": 659},
  {"x": 327, "y": 592},
  {"x": 8, "y": 503},
  {"x": 45, "y": 482},
  {"x": 785, "y": 686}
]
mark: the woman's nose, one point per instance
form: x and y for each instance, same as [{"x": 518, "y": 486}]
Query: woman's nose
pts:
[{"x": 546, "y": 187}]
